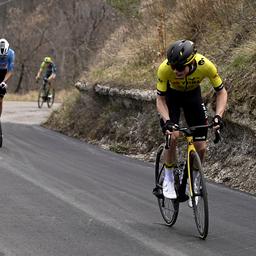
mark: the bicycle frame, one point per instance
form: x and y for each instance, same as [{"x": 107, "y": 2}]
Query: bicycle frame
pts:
[
  {"x": 44, "y": 90},
  {"x": 190, "y": 148},
  {"x": 169, "y": 208},
  {"x": 187, "y": 132},
  {"x": 46, "y": 86}
]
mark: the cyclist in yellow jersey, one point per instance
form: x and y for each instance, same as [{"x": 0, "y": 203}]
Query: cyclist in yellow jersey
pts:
[
  {"x": 50, "y": 70},
  {"x": 178, "y": 88}
]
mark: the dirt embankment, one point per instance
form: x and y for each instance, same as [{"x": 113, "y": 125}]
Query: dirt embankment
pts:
[{"x": 127, "y": 124}]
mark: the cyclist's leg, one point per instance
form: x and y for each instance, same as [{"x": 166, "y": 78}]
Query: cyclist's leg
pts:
[
  {"x": 200, "y": 149},
  {"x": 44, "y": 83},
  {"x": 2, "y": 76},
  {"x": 170, "y": 157},
  {"x": 49, "y": 85},
  {"x": 195, "y": 114},
  {"x": 51, "y": 76},
  {"x": 1, "y": 104},
  {"x": 169, "y": 166}
]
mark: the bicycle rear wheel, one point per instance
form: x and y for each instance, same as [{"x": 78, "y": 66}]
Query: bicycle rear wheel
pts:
[
  {"x": 50, "y": 97},
  {"x": 41, "y": 97},
  {"x": 169, "y": 208},
  {"x": 199, "y": 198}
]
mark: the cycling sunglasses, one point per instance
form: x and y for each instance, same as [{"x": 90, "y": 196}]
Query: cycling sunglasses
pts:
[{"x": 179, "y": 68}]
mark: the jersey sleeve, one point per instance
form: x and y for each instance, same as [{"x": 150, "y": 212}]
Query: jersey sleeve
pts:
[
  {"x": 11, "y": 58},
  {"x": 214, "y": 77},
  {"x": 162, "y": 82},
  {"x": 42, "y": 65}
]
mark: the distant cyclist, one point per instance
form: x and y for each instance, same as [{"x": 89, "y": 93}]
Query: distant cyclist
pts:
[
  {"x": 50, "y": 70},
  {"x": 7, "y": 57},
  {"x": 178, "y": 88}
]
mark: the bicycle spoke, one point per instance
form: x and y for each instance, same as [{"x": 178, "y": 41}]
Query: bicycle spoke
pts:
[
  {"x": 199, "y": 199},
  {"x": 41, "y": 96},
  {"x": 50, "y": 97},
  {"x": 169, "y": 209}
]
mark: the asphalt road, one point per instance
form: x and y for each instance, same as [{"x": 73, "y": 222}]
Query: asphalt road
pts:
[{"x": 62, "y": 197}]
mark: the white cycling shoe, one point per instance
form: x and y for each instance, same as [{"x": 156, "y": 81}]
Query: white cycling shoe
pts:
[
  {"x": 168, "y": 189},
  {"x": 190, "y": 204}
]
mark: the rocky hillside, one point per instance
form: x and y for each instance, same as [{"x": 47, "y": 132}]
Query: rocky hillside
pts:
[{"x": 224, "y": 31}]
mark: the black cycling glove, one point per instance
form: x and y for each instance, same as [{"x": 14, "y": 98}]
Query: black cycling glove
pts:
[
  {"x": 3, "y": 87},
  {"x": 170, "y": 126},
  {"x": 217, "y": 121}
]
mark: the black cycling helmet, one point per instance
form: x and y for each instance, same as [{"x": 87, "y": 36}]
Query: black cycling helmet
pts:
[{"x": 181, "y": 53}]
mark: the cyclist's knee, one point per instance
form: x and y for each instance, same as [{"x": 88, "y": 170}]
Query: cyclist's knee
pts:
[
  {"x": 200, "y": 148},
  {"x": 174, "y": 136}
]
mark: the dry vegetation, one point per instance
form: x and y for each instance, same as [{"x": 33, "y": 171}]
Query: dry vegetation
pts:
[
  {"x": 217, "y": 27},
  {"x": 66, "y": 30},
  {"x": 223, "y": 30}
]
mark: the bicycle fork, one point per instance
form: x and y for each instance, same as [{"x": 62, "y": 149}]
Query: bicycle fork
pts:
[{"x": 191, "y": 148}]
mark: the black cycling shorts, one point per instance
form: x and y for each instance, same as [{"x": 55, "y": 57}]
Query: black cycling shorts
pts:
[
  {"x": 3, "y": 72},
  {"x": 195, "y": 112}
]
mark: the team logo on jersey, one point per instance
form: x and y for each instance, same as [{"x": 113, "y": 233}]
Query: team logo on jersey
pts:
[
  {"x": 205, "y": 110},
  {"x": 201, "y": 62}
]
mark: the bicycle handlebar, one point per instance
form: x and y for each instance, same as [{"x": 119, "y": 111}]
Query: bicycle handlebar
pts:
[{"x": 188, "y": 131}]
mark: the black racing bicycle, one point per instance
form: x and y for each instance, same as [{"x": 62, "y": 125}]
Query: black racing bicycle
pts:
[
  {"x": 46, "y": 94},
  {"x": 188, "y": 175}
]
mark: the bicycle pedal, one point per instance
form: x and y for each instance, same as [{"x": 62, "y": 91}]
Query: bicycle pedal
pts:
[{"x": 156, "y": 192}]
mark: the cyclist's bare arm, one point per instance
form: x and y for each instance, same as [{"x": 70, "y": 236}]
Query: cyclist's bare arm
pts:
[
  {"x": 221, "y": 101},
  {"x": 52, "y": 77},
  {"x": 7, "y": 76},
  {"x": 39, "y": 74},
  {"x": 162, "y": 107}
]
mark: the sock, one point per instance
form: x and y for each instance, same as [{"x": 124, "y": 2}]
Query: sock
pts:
[{"x": 169, "y": 171}]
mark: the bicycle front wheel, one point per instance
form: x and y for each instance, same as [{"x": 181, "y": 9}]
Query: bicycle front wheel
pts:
[
  {"x": 50, "y": 97},
  {"x": 169, "y": 208},
  {"x": 199, "y": 197},
  {"x": 41, "y": 97}
]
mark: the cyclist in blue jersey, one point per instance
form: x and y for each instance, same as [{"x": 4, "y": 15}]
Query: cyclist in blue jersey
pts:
[
  {"x": 7, "y": 57},
  {"x": 50, "y": 70}
]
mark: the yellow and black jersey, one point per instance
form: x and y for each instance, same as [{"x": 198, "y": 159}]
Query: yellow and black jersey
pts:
[
  {"x": 50, "y": 68},
  {"x": 203, "y": 68}
]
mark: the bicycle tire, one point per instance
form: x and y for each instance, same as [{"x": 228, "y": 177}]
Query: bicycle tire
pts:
[
  {"x": 199, "y": 198},
  {"x": 169, "y": 208},
  {"x": 50, "y": 97},
  {"x": 41, "y": 95}
]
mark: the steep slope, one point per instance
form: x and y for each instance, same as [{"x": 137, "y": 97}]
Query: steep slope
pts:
[{"x": 224, "y": 31}]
